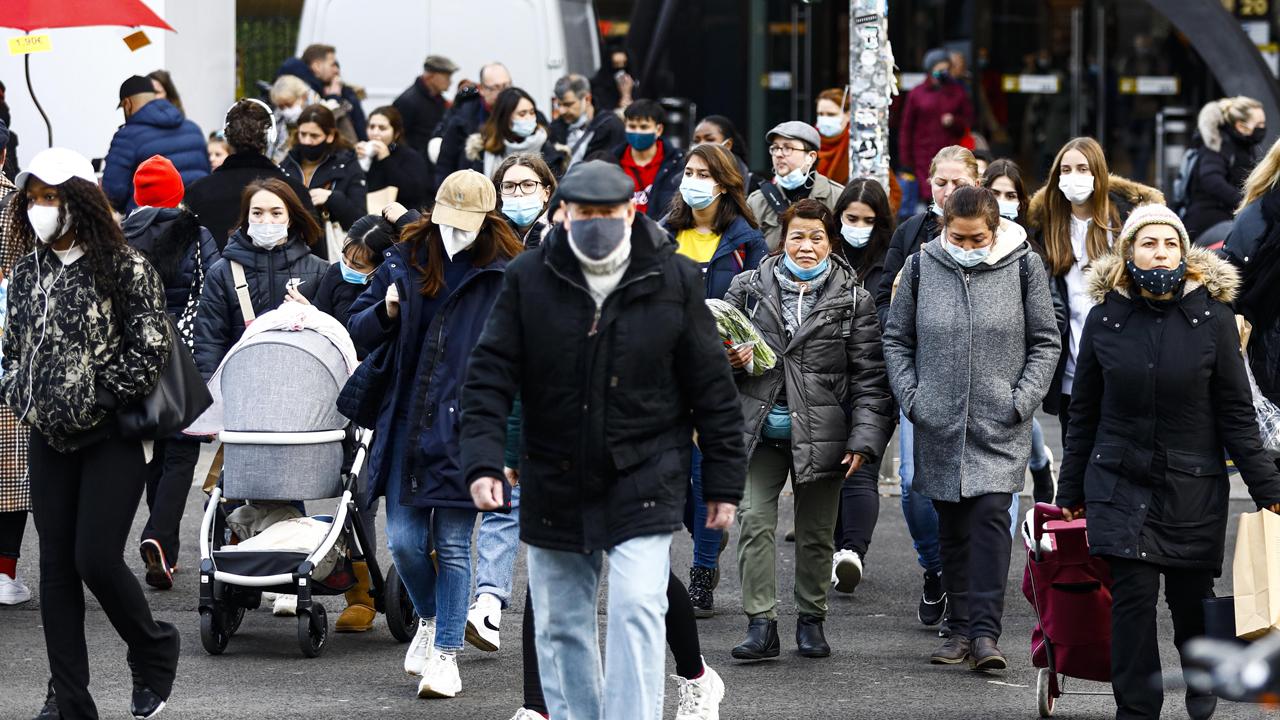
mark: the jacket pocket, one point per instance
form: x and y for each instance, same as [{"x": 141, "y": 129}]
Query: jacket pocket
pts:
[
  {"x": 1103, "y": 472},
  {"x": 1194, "y": 487}
]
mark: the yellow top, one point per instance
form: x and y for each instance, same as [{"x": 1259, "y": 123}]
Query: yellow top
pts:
[{"x": 697, "y": 246}]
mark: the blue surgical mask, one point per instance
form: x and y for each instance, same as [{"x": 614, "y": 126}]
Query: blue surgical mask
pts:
[
  {"x": 641, "y": 140},
  {"x": 795, "y": 178},
  {"x": 806, "y": 274},
  {"x": 856, "y": 236},
  {"x": 522, "y": 210},
  {"x": 352, "y": 276},
  {"x": 830, "y": 125},
  {"x": 524, "y": 128},
  {"x": 698, "y": 193},
  {"x": 966, "y": 258},
  {"x": 1009, "y": 208}
]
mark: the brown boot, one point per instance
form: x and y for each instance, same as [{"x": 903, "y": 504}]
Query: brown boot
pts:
[
  {"x": 953, "y": 652},
  {"x": 984, "y": 655},
  {"x": 359, "y": 615}
]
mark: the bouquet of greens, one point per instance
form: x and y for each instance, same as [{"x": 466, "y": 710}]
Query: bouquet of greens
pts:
[{"x": 737, "y": 331}]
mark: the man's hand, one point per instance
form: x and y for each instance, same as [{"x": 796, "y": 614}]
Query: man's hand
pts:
[
  {"x": 513, "y": 476},
  {"x": 1273, "y": 508},
  {"x": 854, "y": 461},
  {"x": 1075, "y": 513},
  {"x": 719, "y": 515},
  {"x": 486, "y": 493}
]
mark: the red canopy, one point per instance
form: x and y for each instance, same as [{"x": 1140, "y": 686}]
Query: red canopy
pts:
[{"x": 28, "y": 15}]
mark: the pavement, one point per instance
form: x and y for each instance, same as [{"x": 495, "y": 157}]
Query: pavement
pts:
[{"x": 879, "y": 667}]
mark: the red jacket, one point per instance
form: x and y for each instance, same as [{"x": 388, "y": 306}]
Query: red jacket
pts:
[{"x": 921, "y": 133}]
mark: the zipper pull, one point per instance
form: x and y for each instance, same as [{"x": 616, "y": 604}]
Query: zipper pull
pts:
[{"x": 595, "y": 323}]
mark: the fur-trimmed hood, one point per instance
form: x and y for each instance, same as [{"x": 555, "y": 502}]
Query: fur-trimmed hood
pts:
[
  {"x": 1219, "y": 277},
  {"x": 1123, "y": 190}
]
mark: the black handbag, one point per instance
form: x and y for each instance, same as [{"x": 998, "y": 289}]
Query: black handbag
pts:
[
  {"x": 360, "y": 400},
  {"x": 179, "y": 397}
]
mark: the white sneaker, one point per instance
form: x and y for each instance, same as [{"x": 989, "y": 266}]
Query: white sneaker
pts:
[
  {"x": 415, "y": 659},
  {"x": 285, "y": 606},
  {"x": 440, "y": 679},
  {"x": 846, "y": 571},
  {"x": 700, "y": 699},
  {"x": 13, "y": 591},
  {"x": 483, "y": 620},
  {"x": 527, "y": 714}
]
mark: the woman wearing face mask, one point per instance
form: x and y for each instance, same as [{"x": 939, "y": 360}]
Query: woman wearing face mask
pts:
[
  {"x": 513, "y": 127},
  {"x": 937, "y": 113},
  {"x": 525, "y": 185},
  {"x": 86, "y": 335},
  {"x": 720, "y": 130},
  {"x": 289, "y": 95},
  {"x": 833, "y": 126},
  {"x": 1073, "y": 220},
  {"x": 389, "y": 162},
  {"x": 272, "y": 245},
  {"x": 802, "y": 422},
  {"x": 369, "y": 238},
  {"x": 971, "y": 345},
  {"x": 1160, "y": 390},
  {"x": 326, "y": 164},
  {"x": 1227, "y": 137}
]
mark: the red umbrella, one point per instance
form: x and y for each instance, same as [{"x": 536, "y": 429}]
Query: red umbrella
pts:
[{"x": 28, "y": 15}]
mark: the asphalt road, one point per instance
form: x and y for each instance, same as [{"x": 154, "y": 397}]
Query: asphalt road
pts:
[{"x": 879, "y": 668}]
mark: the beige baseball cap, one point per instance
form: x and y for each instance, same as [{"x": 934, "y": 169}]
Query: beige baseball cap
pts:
[{"x": 464, "y": 198}]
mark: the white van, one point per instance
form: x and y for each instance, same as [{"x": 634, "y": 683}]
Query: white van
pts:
[{"x": 381, "y": 45}]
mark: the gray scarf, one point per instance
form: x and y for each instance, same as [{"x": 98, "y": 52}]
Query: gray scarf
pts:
[{"x": 797, "y": 305}]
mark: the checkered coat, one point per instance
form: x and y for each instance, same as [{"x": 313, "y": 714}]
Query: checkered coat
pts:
[{"x": 15, "y": 489}]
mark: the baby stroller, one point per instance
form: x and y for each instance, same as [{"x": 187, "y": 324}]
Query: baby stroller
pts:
[
  {"x": 284, "y": 441},
  {"x": 1071, "y": 595}
]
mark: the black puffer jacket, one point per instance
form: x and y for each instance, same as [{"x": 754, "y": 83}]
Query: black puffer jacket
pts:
[
  {"x": 219, "y": 322},
  {"x": 407, "y": 171},
  {"x": 1160, "y": 389},
  {"x": 340, "y": 173},
  {"x": 611, "y": 396},
  {"x": 215, "y": 198},
  {"x": 1217, "y": 185},
  {"x": 336, "y": 294},
  {"x": 176, "y": 245},
  {"x": 832, "y": 369}
]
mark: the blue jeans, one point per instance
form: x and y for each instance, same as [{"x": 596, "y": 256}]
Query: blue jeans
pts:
[
  {"x": 922, "y": 519},
  {"x": 1039, "y": 458},
  {"x": 565, "y": 588},
  {"x": 706, "y": 542},
  {"x": 412, "y": 533},
  {"x": 496, "y": 549}
]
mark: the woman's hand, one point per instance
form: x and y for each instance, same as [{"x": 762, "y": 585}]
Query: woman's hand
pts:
[
  {"x": 379, "y": 149},
  {"x": 291, "y": 294},
  {"x": 392, "y": 300},
  {"x": 720, "y": 515},
  {"x": 392, "y": 212},
  {"x": 1273, "y": 508},
  {"x": 854, "y": 461},
  {"x": 513, "y": 476},
  {"x": 320, "y": 196},
  {"x": 1075, "y": 513},
  {"x": 740, "y": 356}
]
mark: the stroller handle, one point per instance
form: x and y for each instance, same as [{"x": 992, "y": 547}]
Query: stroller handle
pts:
[{"x": 1044, "y": 512}]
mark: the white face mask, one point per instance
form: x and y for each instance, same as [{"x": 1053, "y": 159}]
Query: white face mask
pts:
[
  {"x": 856, "y": 236},
  {"x": 1008, "y": 209},
  {"x": 455, "y": 240},
  {"x": 44, "y": 220},
  {"x": 1076, "y": 187},
  {"x": 268, "y": 235},
  {"x": 291, "y": 114}
]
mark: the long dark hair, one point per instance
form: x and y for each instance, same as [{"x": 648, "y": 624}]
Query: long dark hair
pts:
[
  {"x": 733, "y": 203},
  {"x": 301, "y": 224},
  {"x": 323, "y": 116},
  {"x": 730, "y": 132},
  {"x": 868, "y": 192},
  {"x": 173, "y": 245},
  {"x": 1008, "y": 168},
  {"x": 497, "y": 131},
  {"x": 170, "y": 90},
  {"x": 496, "y": 239}
]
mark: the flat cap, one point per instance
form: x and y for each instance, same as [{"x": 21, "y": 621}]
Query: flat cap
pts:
[
  {"x": 596, "y": 182},
  {"x": 440, "y": 63},
  {"x": 796, "y": 130}
]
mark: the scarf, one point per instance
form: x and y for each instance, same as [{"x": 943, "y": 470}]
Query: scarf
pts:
[
  {"x": 532, "y": 144},
  {"x": 833, "y": 158},
  {"x": 798, "y": 298}
]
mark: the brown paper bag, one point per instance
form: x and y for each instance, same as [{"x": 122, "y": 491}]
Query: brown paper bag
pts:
[
  {"x": 1256, "y": 574},
  {"x": 214, "y": 474},
  {"x": 378, "y": 199}
]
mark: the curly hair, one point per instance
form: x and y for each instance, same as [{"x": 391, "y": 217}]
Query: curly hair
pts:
[{"x": 246, "y": 127}]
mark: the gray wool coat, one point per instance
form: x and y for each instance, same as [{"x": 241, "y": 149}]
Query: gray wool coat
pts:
[
  {"x": 833, "y": 370},
  {"x": 970, "y": 363}
]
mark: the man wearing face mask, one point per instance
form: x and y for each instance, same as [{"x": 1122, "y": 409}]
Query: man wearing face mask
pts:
[
  {"x": 793, "y": 147},
  {"x": 655, "y": 167},
  {"x": 937, "y": 113},
  {"x": 612, "y": 384},
  {"x": 579, "y": 126},
  {"x": 152, "y": 126}
]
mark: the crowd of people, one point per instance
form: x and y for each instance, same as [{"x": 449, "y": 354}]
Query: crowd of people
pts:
[{"x": 534, "y": 289}]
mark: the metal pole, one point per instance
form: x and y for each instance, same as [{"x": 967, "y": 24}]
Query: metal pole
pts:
[
  {"x": 1100, "y": 42},
  {"x": 26, "y": 66},
  {"x": 1077, "y": 70},
  {"x": 872, "y": 87}
]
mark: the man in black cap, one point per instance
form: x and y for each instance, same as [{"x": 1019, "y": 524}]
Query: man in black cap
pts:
[
  {"x": 602, "y": 332},
  {"x": 422, "y": 105},
  {"x": 152, "y": 126}
]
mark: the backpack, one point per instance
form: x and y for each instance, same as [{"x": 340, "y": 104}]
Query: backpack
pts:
[
  {"x": 1023, "y": 269},
  {"x": 1178, "y": 199}
]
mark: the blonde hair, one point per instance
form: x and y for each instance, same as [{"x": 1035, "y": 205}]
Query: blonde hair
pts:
[
  {"x": 1263, "y": 178},
  {"x": 956, "y": 153},
  {"x": 1223, "y": 113},
  {"x": 289, "y": 86},
  {"x": 1056, "y": 226}
]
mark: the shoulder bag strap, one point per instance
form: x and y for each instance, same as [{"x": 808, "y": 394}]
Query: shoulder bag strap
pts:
[{"x": 242, "y": 292}]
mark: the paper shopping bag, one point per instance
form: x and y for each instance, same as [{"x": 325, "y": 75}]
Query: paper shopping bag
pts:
[{"x": 1256, "y": 571}]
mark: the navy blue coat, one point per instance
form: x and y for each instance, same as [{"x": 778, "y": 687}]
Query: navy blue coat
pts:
[
  {"x": 434, "y": 359},
  {"x": 159, "y": 233},
  {"x": 727, "y": 263},
  {"x": 158, "y": 128}
]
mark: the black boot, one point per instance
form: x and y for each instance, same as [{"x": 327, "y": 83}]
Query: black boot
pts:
[
  {"x": 1201, "y": 707},
  {"x": 1042, "y": 484},
  {"x": 761, "y": 643},
  {"x": 810, "y": 642},
  {"x": 933, "y": 600},
  {"x": 700, "y": 592},
  {"x": 50, "y": 709}
]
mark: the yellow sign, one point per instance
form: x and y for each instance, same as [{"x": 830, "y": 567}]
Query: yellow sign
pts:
[
  {"x": 1150, "y": 85},
  {"x": 26, "y": 44},
  {"x": 1031, "y": 84},
  {"x": 137, "y": 40}
]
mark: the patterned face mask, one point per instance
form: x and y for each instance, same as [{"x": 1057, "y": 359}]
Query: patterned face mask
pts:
[{"x": 1157, "y": 281}]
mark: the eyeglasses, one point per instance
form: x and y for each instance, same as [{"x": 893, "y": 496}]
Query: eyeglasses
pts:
[
  {"x": 526, "y": 187},
  {"x": 781, "y": 150}
]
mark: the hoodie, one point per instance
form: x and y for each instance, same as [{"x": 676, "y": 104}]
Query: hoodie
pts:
[{"x": 157, "y": 128}]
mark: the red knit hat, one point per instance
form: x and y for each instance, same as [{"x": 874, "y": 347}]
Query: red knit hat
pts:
[{"x": 157, "y": 183}]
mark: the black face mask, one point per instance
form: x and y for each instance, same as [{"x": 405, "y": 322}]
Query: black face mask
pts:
[
  {"x": 312, "y": 153},
  {"x": 1255, "y": 137}
]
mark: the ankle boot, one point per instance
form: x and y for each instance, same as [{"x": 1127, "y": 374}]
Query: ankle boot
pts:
[
  {"x": 360, "y": 613},
  {"x": 700, "y": 592},
  {"x": 810, "y": 641},
  {"x": 761, "y": 643}
]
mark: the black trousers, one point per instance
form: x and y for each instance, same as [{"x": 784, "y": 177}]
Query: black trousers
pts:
[
  {"x": 974, "y": 539},
  {"x": 13, "y": 525},
  {"x": 859, "y": 510},
  {"x": 84, "y": 503},
  {"x": 169, "y": 477},
  {"x": 1135, "y": 655}
]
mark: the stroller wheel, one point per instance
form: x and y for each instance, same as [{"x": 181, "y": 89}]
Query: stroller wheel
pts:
[
  {"x": 213, "y": 634},
  {"x": 1044, "y": 698},
  {"x": 313, "y": 630},
  {"x": 232, "y": 617},
  {"x": 402, "y": 620}
]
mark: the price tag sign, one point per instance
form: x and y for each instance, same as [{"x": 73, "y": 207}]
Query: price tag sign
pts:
[
  {"x": 1031, "y": 84},
  {"x": 27, "y": 44},
  {"x": 1149, "y": 85}
]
